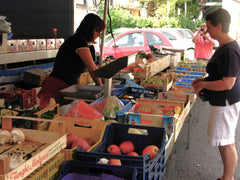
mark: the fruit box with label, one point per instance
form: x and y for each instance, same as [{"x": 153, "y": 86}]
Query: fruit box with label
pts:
[
  {"x": 160, "y": 113},
  {"x": 178, "y": 95},
  {"x": 37, "y": 148},
  {"x": 91, "y": 130},
  {"x": 116, "y": 133}
]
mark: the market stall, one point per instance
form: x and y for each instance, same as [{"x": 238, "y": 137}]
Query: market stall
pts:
[{"x": 148, "y": 110}]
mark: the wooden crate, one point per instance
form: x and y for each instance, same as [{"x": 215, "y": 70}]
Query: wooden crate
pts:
[
  {"x": 43, "y": 125},
  {"x": 49, "y": 170},
  {"x": 160, "y": 63},
  {"x": 168, "y": 82},
  {"x": 83, "y": 128},
  {"x": 50, "y": 143},
  {"x": 180, "y": 121}
]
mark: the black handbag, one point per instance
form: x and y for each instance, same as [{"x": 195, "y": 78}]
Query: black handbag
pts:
[{"x": 204, "y": 94}]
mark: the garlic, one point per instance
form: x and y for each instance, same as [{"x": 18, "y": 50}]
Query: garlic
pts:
[
  {"x": 17, "y": 136},
  {"x": 103, "y": 161},
  {"x": 16, "y": 159},
  {"x": 5, "y": 137}
]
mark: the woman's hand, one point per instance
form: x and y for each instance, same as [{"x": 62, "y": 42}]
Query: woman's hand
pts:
[{"x": 197, "y": 84}]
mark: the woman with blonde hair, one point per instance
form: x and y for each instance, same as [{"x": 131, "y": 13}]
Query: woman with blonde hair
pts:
[{"x": 204, "y": 43}]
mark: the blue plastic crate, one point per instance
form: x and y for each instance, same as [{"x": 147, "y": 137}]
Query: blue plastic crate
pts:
[
  {"x": 184, "y": 80},
  {"x": 191, "y": 77},
  {"x": 197, "y": 73},
  {"x": 72, "y": 170},
  {"x": 118, "y": 91},
  {"x": 130, "y": 83},
  {"x": 177, "y": 71},
  {"x": 116, "y": 133},
  {"x": 182, "y": 69},
  {"x": 182, "y": 84}
]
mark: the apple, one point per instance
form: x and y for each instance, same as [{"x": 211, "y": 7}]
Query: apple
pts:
[
  {"x": 132, "y": 154},
  {"x": 70, "y": 139},
  {"x": 113, "y": 149},
  {"x": 116, "y": 162},
  {"x": 152, "y": 150},
  {"x": 126, "y": 147},
  {"x": 81, "y": 143}
]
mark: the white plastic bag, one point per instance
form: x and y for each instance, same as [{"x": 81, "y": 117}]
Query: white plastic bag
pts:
[{"x": 5, "y": 27}]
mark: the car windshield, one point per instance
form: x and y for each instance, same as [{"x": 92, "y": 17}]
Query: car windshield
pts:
[
  {"x": 180, "y": 31},
  {"x": 188, "y": 34},
  {"x": 169, "y": 35},
  {"x": 153, "y": 39},
  {"x": 108, "y": 37}
]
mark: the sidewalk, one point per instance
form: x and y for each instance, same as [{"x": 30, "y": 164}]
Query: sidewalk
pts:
[{"x": 201, "y": 161}]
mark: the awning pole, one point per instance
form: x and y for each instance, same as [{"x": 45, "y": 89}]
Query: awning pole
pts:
[{"x": 106, "y": 4}]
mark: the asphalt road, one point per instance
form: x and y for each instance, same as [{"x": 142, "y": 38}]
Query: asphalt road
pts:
[{"x": 201, "y": 161}]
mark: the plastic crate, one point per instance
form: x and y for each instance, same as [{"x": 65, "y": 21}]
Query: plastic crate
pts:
[
  {"x": 182, "y": 69},
  {"x": 118, "y": 91},
  {"x": 131, "y": 93},
  {"x": 116, "y": 133},
  {"x": 184, "y": 80},
  {"x": 130, "y": 83},
  {"x": 197, "y": 73},
  {"x": 49, "y": 170},
  {"x": 72, "y": 170}
]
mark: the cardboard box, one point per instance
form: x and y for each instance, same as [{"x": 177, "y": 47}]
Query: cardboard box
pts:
[
  {"x": 32, "y": 45},
  {"x": 51, "y": 43},
  {"x": 59, "y": 42},
  {"x": 12, "y": 46},
  {"x": 41, "y": 44},
  {"x": 41, "y": 145},
  {"x": 34, "y": 76},
  {"x": 22, "y": 45}
]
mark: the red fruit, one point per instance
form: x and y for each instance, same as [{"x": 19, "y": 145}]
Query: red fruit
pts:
[
  {"x": 70, "y": 139},
  {"x": 126, "y": 147},
  {"x": 81, "y": 143},
  {"x": 152, "y": 150},
  {"x": 90, "y": 141},
  {"x": 116, "y": 162},
  {"x": 113, "y": 149},
  {"x": 132, "y": 154}
]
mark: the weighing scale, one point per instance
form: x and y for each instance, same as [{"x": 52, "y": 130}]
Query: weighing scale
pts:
[{"x": 109, "y": 70}]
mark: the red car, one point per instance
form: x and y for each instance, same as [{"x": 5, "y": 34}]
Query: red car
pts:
[{"x": 128, "y": 41}]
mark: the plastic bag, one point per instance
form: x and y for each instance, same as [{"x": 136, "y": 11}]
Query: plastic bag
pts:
[
  {"x": 4, "y": 25},
  {"x": 84, "y": 111},
  {"x": 109, "y": 106}
]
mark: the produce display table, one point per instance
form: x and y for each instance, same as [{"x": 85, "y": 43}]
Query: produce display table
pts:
[{"x": 176, "y": 100}]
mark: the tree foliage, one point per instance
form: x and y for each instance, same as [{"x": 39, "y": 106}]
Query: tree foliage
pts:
[{"x": 164, "y": 13}]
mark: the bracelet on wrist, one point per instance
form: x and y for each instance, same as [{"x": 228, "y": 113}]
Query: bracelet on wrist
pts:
[{"x": 203, "y": 84}]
